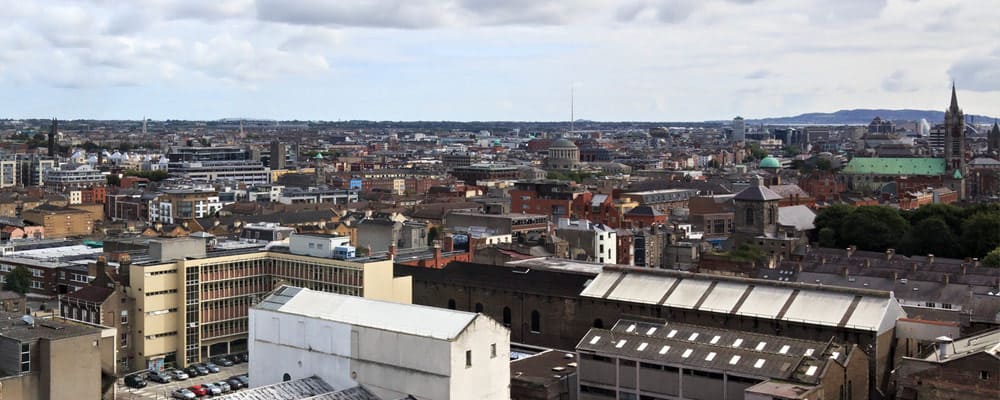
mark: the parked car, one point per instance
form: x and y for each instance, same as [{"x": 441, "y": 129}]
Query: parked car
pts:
[
  {"x": 212, "y": 389},
  {"x": 223, "y": 361},
  {"x": 193, "y": 371},
  {"x": 159, "y": 377},
  {"x": 178, "y": 375},
  {"x": 244, "y": 357},
  {"x": 202, "y": 370},
  {"x": 235, "y": 358},
  {"x": 211, "y": 367},
  {"x": 135, "y": 381},
  {"x": 182, "y": 394},
  {"x": 244, "y": 379},
  {"x": 235, "y": 384},
  {"x": 224, "y": 386},
  {"x": 198, "y": 390}
]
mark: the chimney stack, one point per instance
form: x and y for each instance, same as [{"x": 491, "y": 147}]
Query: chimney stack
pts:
[
  {"x": 942, "y": 346},
  {"x": 946, "y": 278},
  {"x": 930, "y": 259},
  {"x": 889, "y": 253}
]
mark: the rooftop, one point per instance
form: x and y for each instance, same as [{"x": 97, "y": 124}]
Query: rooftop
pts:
[
  {"x": 409, "y": 319},
  {"x": 786, "y": 301},
  {"x": 759, "y": 355},
  {"x": 895, "y": 166},
  {"x": 12, "y": 326}
]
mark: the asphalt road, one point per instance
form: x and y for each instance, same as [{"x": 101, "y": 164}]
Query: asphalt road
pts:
[{"x": 162, "y": 391}]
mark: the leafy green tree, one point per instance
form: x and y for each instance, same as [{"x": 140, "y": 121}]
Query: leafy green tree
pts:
[
  {"x": 992, "y": 259},
  {"x": 981, "y": 234},
  {"x": 823, "y": 164},
  {"x": 748, "y": 252},
  {"x": 756, "y": 152},
  {"x": 833, "y": 217},
  {"x": 18, "y": 280},
  {"x": 932, "y": 236},
  {"x": 827, "y": 237},
  {"x": 950, "y": 214},
  {"x": 873, "y": 228},
  {"x": 114, "y": 180}
]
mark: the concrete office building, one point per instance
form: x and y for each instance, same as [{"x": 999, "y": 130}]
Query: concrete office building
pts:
[
  {"x": 211, "y": 164},
  {"x": 394, "y": 350},
  {"x": 648, "y": 360},
  {"x": 191, "y": 304},
  {"x": 54, "y": 359},
  {"x": 739, "y": 129}
]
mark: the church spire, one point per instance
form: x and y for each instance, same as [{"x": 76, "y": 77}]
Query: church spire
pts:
[{"x": 954, "y": 99}]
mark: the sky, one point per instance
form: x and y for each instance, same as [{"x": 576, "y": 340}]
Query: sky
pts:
[{"x": 478, "y": 60}]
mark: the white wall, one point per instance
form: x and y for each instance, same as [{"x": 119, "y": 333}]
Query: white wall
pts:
[
  {"x": 316, "y": 246},
  {"x": 391, "y": 364},
  {"x": 489, "y": 377}
]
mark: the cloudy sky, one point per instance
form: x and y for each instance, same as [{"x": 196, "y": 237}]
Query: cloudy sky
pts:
[{"x": 657, "y": 60}]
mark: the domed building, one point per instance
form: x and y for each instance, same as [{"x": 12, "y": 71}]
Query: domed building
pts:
[
  {"x": 771, "y": 167},
  {"x": 563, "y": 155}
]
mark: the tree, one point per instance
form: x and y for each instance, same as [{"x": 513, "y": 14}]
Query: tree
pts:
[
  {"x": 18, "y": 280},
  {"x": 748, "y": 252},
  {"x": 756, "y": 152},
  {"x": 992, "y": 259},
  {"x": 932, "y": 236},
  {"x": 823, "y": 164},
  {"x": 833, "y": 217},
  {"x": 114, "y": 180},
  {"x": 981, "y": 234},
  {"x": 827, "y": 237},
  {"x": 873, "y": 228}
]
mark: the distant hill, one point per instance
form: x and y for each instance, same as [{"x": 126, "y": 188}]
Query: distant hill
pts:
[{"x": 862, "y": 117}]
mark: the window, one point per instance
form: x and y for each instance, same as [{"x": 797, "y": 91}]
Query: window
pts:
[
  {"x": 468, "y": 358},
  {"x": 749, "y": 216},
  {"x": 984, "y": 375},
  {"x": 124, "y": 340},
  {"x": 451, "y": 304},
  {"x": 286, "y": 377},
  {"x": 536, "y": 321},
  {"x": 25, "y": 357},
  {"x": 479, "y": 307},
  {"x": 493, "y": 350},
  {"x": 124, "y": 318},
  {"x": 929, "y": 304},
  {"x": 506, "y": 316},
  {"x": 598, "y": 323}
]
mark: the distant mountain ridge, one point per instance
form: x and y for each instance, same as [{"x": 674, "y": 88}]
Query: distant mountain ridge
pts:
[{"x": 863, "y": 117}]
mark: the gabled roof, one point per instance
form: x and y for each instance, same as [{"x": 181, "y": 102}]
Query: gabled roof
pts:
[
  {"x": 408, "y": 319},
  {"x": 91, "y": 294},
  {"x": 895, "y": 166},
  {"x": 757, "y": 192}
]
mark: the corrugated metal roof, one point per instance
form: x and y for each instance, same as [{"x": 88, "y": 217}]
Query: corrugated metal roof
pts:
[
  {"x": 815, "y": 304},
  {"x": 291, "y": 390},
  {"x": 410, "y": 319}
]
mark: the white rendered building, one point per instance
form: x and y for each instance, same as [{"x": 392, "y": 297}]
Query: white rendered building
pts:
[{"x": 392, "y": 349}]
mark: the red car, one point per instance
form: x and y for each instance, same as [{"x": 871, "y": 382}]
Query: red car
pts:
[{"x": 198, "y": 390}]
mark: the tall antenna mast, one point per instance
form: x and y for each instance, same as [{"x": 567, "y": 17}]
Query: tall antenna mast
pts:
[{"x": 572, "y": 98}]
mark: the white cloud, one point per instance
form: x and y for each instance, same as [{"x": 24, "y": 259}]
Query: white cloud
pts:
[{"x": 458, "y": 59}]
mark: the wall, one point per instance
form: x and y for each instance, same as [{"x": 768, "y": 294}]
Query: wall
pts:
[
  {"x": 489, "y": 376},
  {"x": 71, "y": 367}
]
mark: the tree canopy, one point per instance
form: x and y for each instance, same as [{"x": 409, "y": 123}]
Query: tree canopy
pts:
[
  {"x": 942, "y": 230},
  {"x": 18, "y": 280}
]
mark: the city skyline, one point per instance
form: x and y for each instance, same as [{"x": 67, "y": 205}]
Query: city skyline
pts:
[{"x": 479, "y": 60}]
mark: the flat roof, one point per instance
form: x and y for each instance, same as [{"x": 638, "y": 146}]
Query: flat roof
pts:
[
  {"x": 11, "y": 326},
  {"x": 409, "y": 319}
]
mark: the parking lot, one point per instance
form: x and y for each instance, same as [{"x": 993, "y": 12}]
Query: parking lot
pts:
[{"x": 155, "y": 390}]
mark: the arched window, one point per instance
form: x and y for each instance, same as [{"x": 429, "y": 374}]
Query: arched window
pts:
[
  {"x": 506, "y": 316},
  {"x": 286, "y": 377},
  {"x": 598, "y": 324},
  {"x": 479, "y": 307},
  {"x": 749, "y": 216},
  {"x": 451, "y": 304},
  {"x": 536, "y": 321}
]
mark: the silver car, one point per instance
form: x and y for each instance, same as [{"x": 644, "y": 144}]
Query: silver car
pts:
[
  {"x": 223, "y": 386},
  {"x": 178, "y": 375},
  {"x": 183, "y": 394},
  {"x": 213, "y": 389}
]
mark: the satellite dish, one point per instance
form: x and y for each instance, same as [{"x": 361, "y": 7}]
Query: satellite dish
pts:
[{"x": 29, "y": 320}]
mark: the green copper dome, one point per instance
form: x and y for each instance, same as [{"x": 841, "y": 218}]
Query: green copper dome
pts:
[{"x": 770, "y": 162}]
